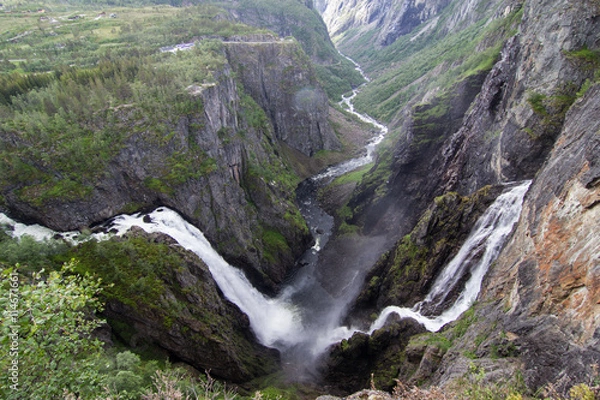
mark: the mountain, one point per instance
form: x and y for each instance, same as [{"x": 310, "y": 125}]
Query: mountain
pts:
[{"x": 218, "y": 110}]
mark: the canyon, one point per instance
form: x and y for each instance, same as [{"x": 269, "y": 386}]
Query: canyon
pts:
[{"x": 479, "y": 98}]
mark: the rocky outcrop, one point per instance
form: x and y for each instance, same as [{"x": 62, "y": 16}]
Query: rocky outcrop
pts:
[
  {"x": 408, "y": 174},
  {"x": 538, "y": 310},
  {"x": 295, "y": 18},
  {"x": 352, "y": 361},
  {"x": 509, "y": 126},
  {"x": 176, "y": 307},
  {"x": 391, "y": 19},
  {"x": 547, "y": 278}
]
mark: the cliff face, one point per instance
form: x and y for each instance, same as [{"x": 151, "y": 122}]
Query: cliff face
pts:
[
  {"x": 549, "y": 272},
  {"x": 287, "y": 90},
  {"x": 295, "y": 18},
  {"x": 390, "y": 18},
  {"x": 492, "y": 127},
  {"x": 522, "y": 117},
  {"x": 221, "y": 165}
]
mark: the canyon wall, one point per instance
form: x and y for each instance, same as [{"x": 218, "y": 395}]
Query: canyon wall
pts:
[
  {"x": 222, "y": 167},
  {"x": 527, "y": 114}
]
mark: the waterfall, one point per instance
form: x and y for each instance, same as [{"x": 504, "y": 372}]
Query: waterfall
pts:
[
  {"x": 285, "y": 322},
  {"x": 279, "y": 322},
  {"x": 474, "y": 257},
  {"x": 274, "y": 322}
]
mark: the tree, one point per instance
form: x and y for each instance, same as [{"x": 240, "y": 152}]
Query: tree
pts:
[{"x": 46, "y": 342}]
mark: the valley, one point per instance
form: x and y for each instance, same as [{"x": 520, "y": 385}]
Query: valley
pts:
[{"x": 234, "y": 229}]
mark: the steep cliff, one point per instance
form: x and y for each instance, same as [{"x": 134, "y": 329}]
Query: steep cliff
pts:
[
  {"x": 299, "y": 19},
  {"x": 460, "y": 122},
  {"x": 163, "y": 296},
  {"x": 287, "y": 90},
  {"x": 495, "y": 124},
  {"x": 389, "y": 18},
  {"x": 543, "y": 291}
]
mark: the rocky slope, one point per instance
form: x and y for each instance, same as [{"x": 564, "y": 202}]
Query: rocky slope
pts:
[
  {"x": 521, "y": 117},
  {"x": 287, "y": 90},
  {"x": 389, "y": 18},
  {"x": 299, "y": 19}
]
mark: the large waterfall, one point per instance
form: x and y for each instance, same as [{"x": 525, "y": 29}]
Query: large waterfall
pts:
[
  {"x": 474, "y": 257},
  {"x": 281, "y": 322}
]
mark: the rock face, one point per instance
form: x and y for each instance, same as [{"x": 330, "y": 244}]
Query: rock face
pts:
[
  {"x": 389, "y": 18},
  {"x": 469, "y": 136},
  {"x": 351, "y": 362},
  {"x": 549, "y": 272},
  {"x": 412, "y": 180},
  {"x": 538, "y": 309},
  {"x": 405, "y": 274},
  {"x": 295, "y": 18},
  {"x": 182, "y": 311},
  {"x": 288, "y": 91},
  {"x": 522, "y": 118}
]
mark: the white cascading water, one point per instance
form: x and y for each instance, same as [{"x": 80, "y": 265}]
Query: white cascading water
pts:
[
  {"x": 277, "y": 322},
  {"x": 487, "y": 237}
]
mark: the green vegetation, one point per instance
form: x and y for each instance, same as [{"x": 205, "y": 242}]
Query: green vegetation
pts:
[
  {"x": 59, "y": 355},
  {"x": 49, "y": 329},
  {"x": 551, "y": 111},
  {"x": 339, "y": 78},
  {"x": 68, "y": 113},
  {"x": 353, "y": 176},
  {"x": 55, "y": 355},
  {"x": 274, "y": 244},
  {"x": 133, "y": 268}
]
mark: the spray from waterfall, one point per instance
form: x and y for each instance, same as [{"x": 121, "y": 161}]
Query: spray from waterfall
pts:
[{"x": 281, "y": 322}]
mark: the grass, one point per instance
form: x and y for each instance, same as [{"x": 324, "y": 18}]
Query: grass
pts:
[
  {"x": 87, "y": 85},
  {"x": 353, "y": 176}
]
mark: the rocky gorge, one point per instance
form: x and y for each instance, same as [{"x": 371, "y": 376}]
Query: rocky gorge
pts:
[
  {"x": 476, "y": 94},
  {"x": 444, "y": 149}
]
